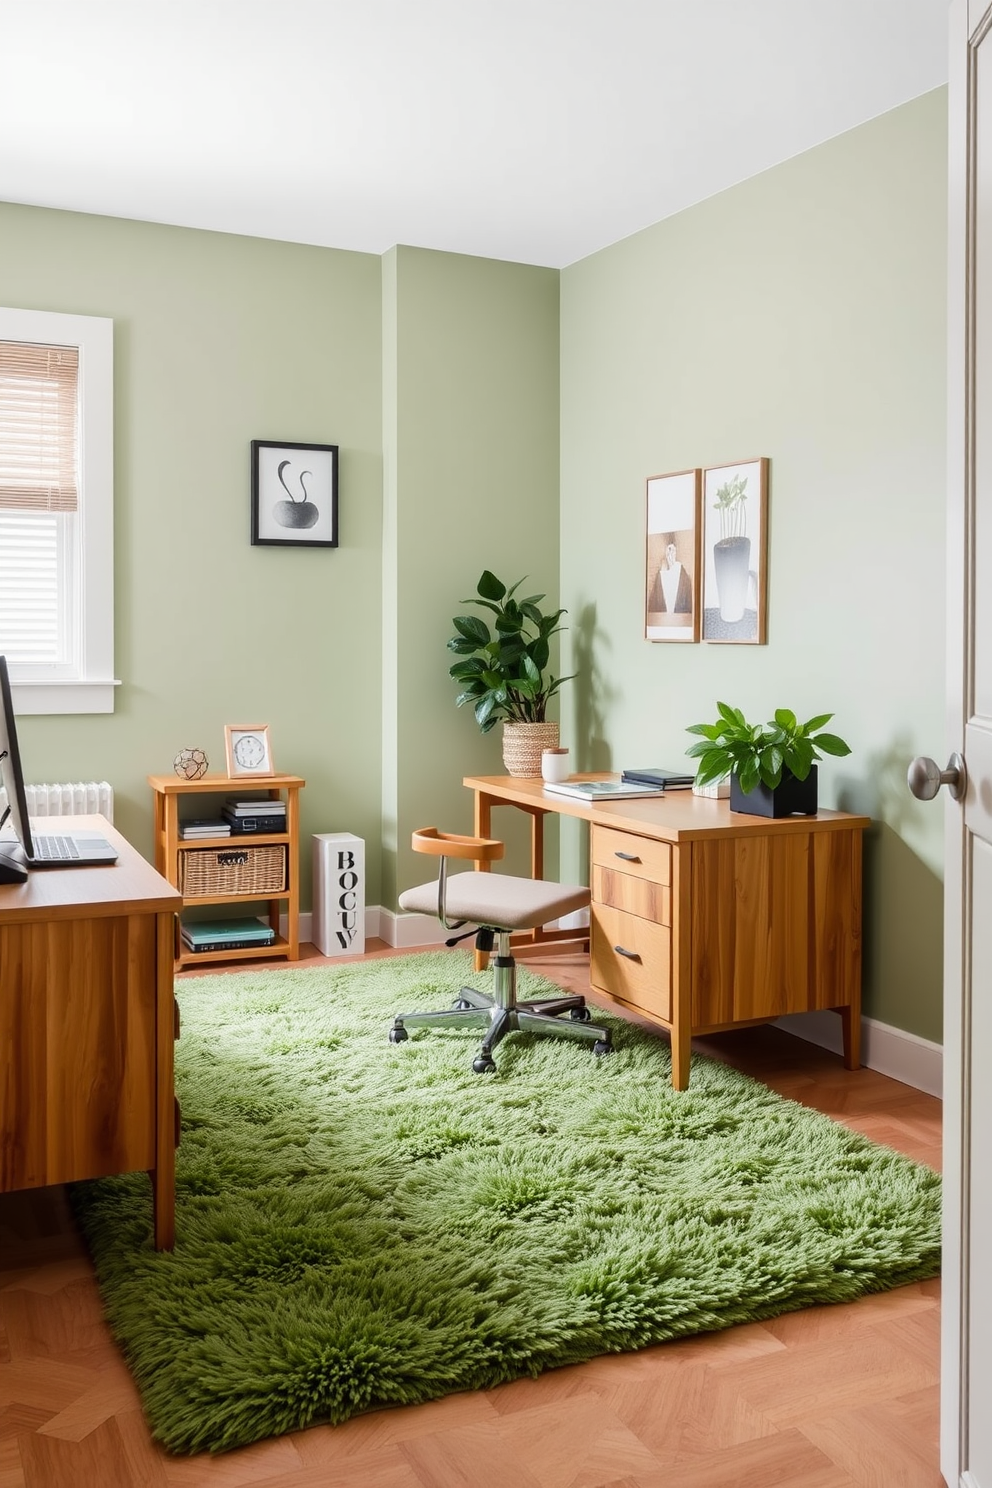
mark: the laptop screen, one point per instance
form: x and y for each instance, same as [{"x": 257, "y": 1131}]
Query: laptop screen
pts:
[{"x": 10, "y": 765}]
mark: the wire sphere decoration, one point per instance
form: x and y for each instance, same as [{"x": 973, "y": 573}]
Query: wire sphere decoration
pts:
[{"x": 190, "y": 764}]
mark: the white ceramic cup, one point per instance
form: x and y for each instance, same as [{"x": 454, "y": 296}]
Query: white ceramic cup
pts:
[{"x": 554, "y": 765}]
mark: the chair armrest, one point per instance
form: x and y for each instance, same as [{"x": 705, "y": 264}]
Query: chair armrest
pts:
[{"x": 450, "y": 845}]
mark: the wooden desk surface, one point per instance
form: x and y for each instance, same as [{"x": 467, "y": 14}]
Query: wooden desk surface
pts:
[
  {"x": 678, "y": 816},
  {"x": 129, "y": 886}
]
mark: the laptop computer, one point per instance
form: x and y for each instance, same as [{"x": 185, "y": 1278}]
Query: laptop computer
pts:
[{"x": 27, "y": 849}]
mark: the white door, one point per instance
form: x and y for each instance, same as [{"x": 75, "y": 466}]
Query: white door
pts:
[{"x": 966, "y": 1355}]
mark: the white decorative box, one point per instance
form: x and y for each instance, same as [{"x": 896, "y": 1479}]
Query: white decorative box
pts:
[{"x": 719, "y": 789}]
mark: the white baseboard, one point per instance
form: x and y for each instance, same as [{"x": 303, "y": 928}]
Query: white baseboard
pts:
[
  {"x": 409, "y": 930},
  {"x": 902, "y": 1056},
  {"x": 373, "y": 915}
]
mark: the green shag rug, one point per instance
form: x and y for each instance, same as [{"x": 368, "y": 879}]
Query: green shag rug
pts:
[{"x": 361, "y": 1224}]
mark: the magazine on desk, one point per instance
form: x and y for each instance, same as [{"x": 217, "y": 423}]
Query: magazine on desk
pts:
[{"x": 602, "y": 790}]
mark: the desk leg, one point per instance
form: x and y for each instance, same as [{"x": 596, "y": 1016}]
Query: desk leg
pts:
[
  {"x": 850, "y": 1022},
  {"x": 483, "y": 821},
  {"x": 163, "y": 1175},
  {"x": 681, "y": 1037}
]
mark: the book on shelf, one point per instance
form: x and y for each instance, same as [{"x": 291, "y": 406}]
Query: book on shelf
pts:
[
  {"x": 226, "y": 935},
  {"x": 663, "y": 779},
  {"x": 256, "y": 808},
  {"x": 602, "y": 790},
  {"x": 204, "y": 827}
]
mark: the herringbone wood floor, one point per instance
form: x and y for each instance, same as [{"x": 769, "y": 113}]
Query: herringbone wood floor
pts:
[{"x": 826, "y": 1398}]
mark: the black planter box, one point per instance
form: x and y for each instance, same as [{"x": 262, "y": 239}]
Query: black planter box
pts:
[{"x": 791, "y": 797}]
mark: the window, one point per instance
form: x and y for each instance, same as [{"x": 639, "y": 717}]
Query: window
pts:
[{"x": 56, "y": 510}]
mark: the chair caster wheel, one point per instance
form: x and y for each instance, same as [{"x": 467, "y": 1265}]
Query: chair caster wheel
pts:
[
  {"x": 460, "y": 1005},
  {"x": 580, "y": 1015},
  {"x": 483, "y": 1064},
  {"x": 398, "y": 1034},
  {"x": 601, "y": 1047}
]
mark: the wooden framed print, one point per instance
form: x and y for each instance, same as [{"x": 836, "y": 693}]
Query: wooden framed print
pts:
[
  {"x": 294, "y": 494},
  {"x": 671, "y": 596},
  {"x": 735, "y": 520},
  {"x": 248, "y": 749}
]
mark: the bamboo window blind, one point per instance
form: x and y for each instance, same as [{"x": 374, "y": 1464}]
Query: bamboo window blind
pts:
[{"x": 39, "y": 427}]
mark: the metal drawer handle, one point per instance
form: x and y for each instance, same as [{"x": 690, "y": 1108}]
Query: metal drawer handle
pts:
[
  {"x": 627, "y": 857},
  {"x": 631, "y": 955}
]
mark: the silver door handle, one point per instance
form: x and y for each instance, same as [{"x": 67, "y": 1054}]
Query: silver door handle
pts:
[{"x": 925, "y": 777}]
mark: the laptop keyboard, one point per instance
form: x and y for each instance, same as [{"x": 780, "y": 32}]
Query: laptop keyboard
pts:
[{"x": 55, "y": 849}]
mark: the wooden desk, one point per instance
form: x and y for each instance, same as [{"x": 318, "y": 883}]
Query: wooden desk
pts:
[
  {"x": 704, "y": 919},
  {"x": 87, "y": 1024}
]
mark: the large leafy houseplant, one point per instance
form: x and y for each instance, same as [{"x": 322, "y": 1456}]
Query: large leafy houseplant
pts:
[
  {"x": 503, "y": 670},
  {"x": 761, "y": 755}
]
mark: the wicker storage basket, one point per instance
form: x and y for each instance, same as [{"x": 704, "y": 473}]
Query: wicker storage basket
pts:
[
  {"x": 233, "y": 870},
  {"x": 522, "y": 746}
]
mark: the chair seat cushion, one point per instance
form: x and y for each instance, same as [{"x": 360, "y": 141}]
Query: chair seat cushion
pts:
[{"x": 498, "y": 899}]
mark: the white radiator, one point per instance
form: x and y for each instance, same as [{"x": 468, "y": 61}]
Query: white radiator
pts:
[{"x": 68, "y": 798}]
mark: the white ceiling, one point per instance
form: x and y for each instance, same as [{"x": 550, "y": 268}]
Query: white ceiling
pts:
[{"x": 534, "y": 130}]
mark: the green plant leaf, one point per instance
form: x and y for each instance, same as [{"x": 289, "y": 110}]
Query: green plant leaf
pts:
[
  {"x": 749, "y": 775},
  {"x": 817, "y": 722},
  {"x": 474, "y": 667},
  {"x": 473, "y": 629},
  {"x": 831, "y": 744},
  {"x": 484, "y": 714},
  {"x": 731, "y": 715},
  {"x": 785, "y": 718},
  {"x": 490, "y": 587}
]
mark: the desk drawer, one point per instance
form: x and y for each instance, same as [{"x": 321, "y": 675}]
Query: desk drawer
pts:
[
  {"x": 636, "y": 896},
  {"x": 632, "y": 959},
  {"x": 627, "y": 853}
]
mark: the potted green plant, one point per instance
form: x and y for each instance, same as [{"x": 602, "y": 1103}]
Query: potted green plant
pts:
[
  {"x": 772, "y": 766},
  {"x": 503, "y": 670}
]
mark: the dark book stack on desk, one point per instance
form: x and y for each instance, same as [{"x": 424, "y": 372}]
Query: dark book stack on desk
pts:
[
  {"x": 660, "y": 778},
  {"x": 255, "y": 816}
]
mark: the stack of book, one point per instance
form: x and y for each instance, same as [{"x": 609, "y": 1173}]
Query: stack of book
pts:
[
  {"x": 226, "y": 935},
  {"x": 204, "y": 827},
  {"x": 255, "y": 816},
  {"x": 661, "y": 778}
]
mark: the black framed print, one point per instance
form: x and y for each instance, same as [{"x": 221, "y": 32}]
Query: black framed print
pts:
[{"x": 294, "y": 494}]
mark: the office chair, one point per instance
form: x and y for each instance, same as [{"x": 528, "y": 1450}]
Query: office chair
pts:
[{"x": 496, "y": 903}]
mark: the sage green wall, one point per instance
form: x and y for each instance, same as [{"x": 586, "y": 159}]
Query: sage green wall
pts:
[
  {"x": 471, "y": 482},
  {"x": 800, "y": 315},
  {"x": 220, "y": 340}
]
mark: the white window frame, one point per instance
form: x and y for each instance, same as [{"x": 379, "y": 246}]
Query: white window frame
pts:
[{"x": 92, "y": 689}]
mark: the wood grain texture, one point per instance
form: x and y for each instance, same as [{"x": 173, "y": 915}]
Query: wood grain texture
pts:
[
  {"x": 631, "y": 957},
  {"x": 765, "y": 914},
  {"x": 86, "y": 1026}
]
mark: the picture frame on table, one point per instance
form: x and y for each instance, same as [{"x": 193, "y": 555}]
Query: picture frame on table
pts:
[
  {"x": 294, "y": 494},
  {"x": 671, "y": 593},
  {"x": 248, "y": 749},
  {"x": 735, "y": 547}
]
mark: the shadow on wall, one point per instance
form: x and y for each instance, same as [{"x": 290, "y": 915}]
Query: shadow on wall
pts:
[
  {"x": 594, "y": 694},
  {"x": 903, "y": 898},
  {"x": 881, "y": 791}
]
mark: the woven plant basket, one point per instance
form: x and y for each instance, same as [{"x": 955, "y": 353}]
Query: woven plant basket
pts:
[{"x": 522, "y": 746}]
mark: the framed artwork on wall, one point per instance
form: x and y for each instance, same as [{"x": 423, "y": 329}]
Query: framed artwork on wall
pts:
[
  {"x": 294, "y": 494},
  {"x": 247, "y": 748},
  {"x": 735, "y": 520},
  {"x": 671, "y": 595}
]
